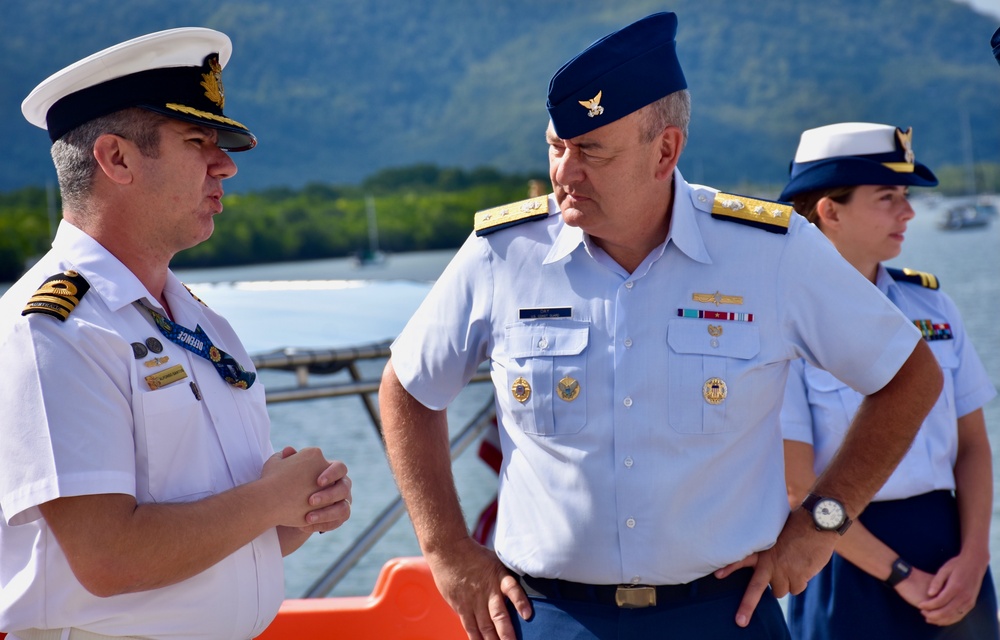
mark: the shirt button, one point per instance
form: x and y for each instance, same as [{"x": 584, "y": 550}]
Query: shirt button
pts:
[
  {"x": 628, "y": 285},
  {"x": 627, "y": 402},
  {"x": 636, "y": 579},
  {"x": 543, "y": 343},
  {"x": 630, "y": 523},
  {"x": 628, "y": 462},
  {"x": 628, "y": 342},
  {"x": 702, "y": 198}
]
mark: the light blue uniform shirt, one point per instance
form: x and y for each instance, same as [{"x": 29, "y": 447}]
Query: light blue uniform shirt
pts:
[
  {"x": 639, "y": 478},
  {"x": 818, "y": 407}
]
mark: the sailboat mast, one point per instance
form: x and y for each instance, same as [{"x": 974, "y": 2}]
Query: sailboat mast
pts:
[{"x": 372, "y": 224}]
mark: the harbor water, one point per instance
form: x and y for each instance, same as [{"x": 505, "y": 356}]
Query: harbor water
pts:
[{"x": 333, "y": 303}]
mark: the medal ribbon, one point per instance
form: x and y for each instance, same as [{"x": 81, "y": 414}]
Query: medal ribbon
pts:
[{"x": 198, "y": 342}]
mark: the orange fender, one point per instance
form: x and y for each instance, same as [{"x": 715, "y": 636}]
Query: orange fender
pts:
[{"x": 405, "y": 605}]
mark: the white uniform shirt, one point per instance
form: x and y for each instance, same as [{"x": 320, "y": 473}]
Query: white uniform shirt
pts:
[
  {"x": 639, "y": 478},
  {"x": 818, "y": 407},
  {"x": 80, "y": 419}
]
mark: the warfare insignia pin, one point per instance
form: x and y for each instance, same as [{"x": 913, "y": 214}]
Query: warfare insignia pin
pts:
[
  {"x": 714, "y": 391},
  {"x": 569, "y": 389},
  {"x": 716, "y": 298},
  {"x": 521, "y": 390},
  {"x": 594, "y": 105},
  {"x": 155, "y": 362}
]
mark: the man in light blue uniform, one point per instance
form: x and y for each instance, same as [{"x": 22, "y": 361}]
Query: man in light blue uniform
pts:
[{"x": 639, "y": 330}]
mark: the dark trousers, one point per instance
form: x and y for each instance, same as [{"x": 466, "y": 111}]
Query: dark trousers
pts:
[{"x": 711, "y": 618}]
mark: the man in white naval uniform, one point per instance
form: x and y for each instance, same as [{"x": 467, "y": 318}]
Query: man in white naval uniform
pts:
[{"x": 139, "y": 490}]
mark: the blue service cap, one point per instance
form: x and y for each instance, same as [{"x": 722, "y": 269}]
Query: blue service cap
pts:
[
  {"x": 852, "y": 154},
  {"x": 616, "y": 75},
  {"x": 996, "y": 45},
  {"x": 177, "y": 72}
]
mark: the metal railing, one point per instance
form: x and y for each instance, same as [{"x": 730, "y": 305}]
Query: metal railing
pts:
[{"x": 304, "y": 362}]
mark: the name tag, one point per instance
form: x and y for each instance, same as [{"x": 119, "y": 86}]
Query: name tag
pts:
[
  {"x": 165, "y": 377},
  {"x": 545, "y": 313}
]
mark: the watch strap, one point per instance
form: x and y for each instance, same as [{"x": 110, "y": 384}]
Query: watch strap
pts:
[{"x": 900, "y": 571}]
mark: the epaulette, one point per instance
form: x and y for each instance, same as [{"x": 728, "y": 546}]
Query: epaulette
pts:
[
  {"x": 497, "y": 218},
  {"x": 58, "y": 295},
  {"x": 763, "y": 214},
  {"x": 924, "y": 279},
  {"x": 194, "y": 296}
]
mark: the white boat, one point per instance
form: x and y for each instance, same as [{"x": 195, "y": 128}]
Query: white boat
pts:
[{"x": 968, "y": 215}]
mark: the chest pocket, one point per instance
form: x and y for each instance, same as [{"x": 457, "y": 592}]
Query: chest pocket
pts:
[
  {"x": 708, "y": 378},
  {"x": 551, "y": 358},
  {"x": 944, "y": 353},
  {"x": 179, "y": 442},
  {"x": 832, "y": 402}
]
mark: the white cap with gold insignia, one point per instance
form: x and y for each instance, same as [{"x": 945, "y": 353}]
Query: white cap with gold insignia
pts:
[{"x": 177, "y": 72}]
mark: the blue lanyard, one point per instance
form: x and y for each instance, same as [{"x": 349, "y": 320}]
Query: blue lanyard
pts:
[{"x": 198, "y": 342}]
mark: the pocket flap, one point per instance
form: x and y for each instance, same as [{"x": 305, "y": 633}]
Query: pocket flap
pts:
[
  {"x": 559, "y": 338},
  {"x": 726, "y": 339}
]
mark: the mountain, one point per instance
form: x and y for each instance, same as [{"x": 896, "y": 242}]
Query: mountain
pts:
[{"x": 337, "y": 90}]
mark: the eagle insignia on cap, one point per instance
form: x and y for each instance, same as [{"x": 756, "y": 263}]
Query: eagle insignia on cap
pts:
[
  {"x": 212, "y": 81},
  {"x": 906, "y": 141},
  {"x": 594, "y": 105}
]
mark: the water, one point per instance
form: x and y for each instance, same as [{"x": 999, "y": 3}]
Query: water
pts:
[{"x": 330, "y": 303}]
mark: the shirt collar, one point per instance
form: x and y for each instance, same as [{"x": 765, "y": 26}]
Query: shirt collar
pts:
[
  {"x": 117, "y": 286},
  {"x": 684, "y": 230},
  {"x": 567, "y": 240},
  {"x": 885, "y": 283}
]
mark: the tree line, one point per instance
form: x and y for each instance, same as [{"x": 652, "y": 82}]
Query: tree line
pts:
[
  {"x": 417, "y": 208},
  {"x": 420, "y": 207}
]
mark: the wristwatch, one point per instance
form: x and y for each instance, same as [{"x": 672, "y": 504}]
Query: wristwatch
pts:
[
  {"x": 900, "y": 571},
  {"x": 828, "y": 514}
]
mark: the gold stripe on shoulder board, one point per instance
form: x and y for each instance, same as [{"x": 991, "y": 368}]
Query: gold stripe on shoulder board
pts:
[
  {"x": 765, "y": 214},
  {"x": 927, "y": 280},
  {"x": 497, "y": 218},
  {"x": 58, "y": 295}
]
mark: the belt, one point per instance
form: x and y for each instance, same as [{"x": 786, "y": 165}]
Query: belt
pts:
[
  {"x": 74, "y": 634},
  {"x": 636, "y": 596}
]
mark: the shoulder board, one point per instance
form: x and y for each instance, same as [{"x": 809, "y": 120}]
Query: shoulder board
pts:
[
  {"x": 497, "y": 218},
  {"x": 924, "y": 279},
  {"x": 58, "y": 295},
  {"x": 194, "y": 296},
  {"x": 763, "y": 214}
]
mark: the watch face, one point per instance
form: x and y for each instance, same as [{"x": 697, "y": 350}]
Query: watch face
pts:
[{"x": 828, "y": 514}]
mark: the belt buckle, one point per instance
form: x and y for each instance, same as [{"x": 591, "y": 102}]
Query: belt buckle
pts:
[{"x": 635, "y": 596}]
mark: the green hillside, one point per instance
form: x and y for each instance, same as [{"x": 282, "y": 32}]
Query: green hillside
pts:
[{"x": 339, "y": 90}]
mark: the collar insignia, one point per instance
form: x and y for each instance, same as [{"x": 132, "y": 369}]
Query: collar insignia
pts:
[{"x": 594, "y": 105}]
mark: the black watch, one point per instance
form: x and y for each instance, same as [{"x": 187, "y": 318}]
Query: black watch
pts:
[
  {"x": 900, "y": 571},
  {"x": 828, "y": 514}
]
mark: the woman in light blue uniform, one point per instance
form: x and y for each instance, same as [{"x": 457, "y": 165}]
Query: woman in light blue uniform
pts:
[{"x": 916, "y": 563}]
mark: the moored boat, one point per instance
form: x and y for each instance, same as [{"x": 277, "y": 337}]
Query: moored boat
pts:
[{"x": 968, "y": 215}]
